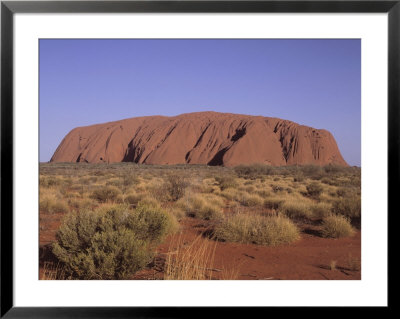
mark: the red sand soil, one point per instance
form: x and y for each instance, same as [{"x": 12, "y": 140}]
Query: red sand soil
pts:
[
  {"x": 308, "y": 258},
  {"x": 200, "y": 138}
]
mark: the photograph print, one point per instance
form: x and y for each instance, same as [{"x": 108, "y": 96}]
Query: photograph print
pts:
[{"x": 200, "y": 159}]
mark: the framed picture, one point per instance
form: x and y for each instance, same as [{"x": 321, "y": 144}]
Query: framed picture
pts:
[{"x": 160, "y": 155}]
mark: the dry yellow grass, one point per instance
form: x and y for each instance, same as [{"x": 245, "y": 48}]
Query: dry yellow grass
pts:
[
  {"x": 190, "y": 262},
  {"x": 273, "y": 202},
  {"x": 321, "y": 209},
  {"x": 230, "y": 193},
  {"x": 295, "y": 208},
  {"x": 249, "y": 200},
  {"x": 231, "y": 272},
  {"x": 52, "y": 271},
  {"x": 204, "y": 206},
  {"x": 256, "y": 229},
  {"x": 52, "y": 204},
  {"x": 336, "y": 226}
]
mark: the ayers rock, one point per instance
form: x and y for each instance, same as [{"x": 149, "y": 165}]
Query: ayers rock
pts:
[{"x": 200, "y": 138}]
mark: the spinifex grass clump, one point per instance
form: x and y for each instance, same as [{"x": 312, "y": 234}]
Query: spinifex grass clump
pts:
[
  {"x": 295, "y": 208},
  {"x": 336, "y": 226},
  {"x": 112, "y": 242},
  {"x": 348, "y": 206},
  {"x": 321, "y": 210},
  {"x": 261, "y": 230},
  {"x": 53, "y": 205},
  {"x": 203, "y": 206},
  {"x": 250, "y": 200},
  {"x": 314, "y": 190},
  {"x": 225, "y": 182},
  {"x": 105, "y": 194}
]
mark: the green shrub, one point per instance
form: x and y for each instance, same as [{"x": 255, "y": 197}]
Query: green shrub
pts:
[
  {"x": 276, "y": 230},
  {"x": 336, "y": 226},
  {"x": 95, "y": 245},
  {"x": 105, "y": 194},
  {"x": 112, "y": 242},
  {"x": 151, "y": 223}
]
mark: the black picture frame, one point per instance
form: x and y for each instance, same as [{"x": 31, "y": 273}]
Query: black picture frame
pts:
[{"x": 9, "y": 8}]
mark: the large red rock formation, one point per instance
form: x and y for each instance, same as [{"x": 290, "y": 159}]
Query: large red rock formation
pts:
[{"x": 200, "y": 138}]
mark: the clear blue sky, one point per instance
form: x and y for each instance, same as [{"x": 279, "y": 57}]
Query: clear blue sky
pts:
[{"x": 311, "y": 82}]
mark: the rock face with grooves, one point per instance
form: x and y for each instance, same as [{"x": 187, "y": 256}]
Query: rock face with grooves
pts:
[{"x": 200, "y": 138}]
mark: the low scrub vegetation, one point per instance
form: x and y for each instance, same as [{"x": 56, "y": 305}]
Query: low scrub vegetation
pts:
[
  {"x": 296, "y": 208},
  {"x": 336, "y": 226},
  {"x": 260, "y": 230},
  {"x": 314, "y": 190},
  {"x": 53, "y": 205},
  {"x": 225, "y": 182},
  {"x": 348, "y": 206},
  {"x": 112, "y": 242},
  {"x": 117, "y": 214},
  {"x": 175, "y": 186},
  {"x": 203, "y": 206},
  {"x": 253, "y": 171},
  {"x": 134, "y": 198},
  {"x": 250, "y": 200},
  {"x": 106, "y": 194},
  {"x": 321, "y": 209},
  {"x": 273, "y": 203},
  {"x": 231, "y": 193}
]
